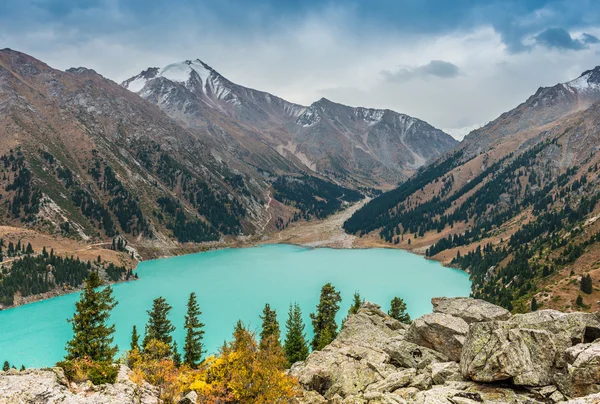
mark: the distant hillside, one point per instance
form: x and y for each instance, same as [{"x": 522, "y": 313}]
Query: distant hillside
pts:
[{"x": 515, "y": 204}]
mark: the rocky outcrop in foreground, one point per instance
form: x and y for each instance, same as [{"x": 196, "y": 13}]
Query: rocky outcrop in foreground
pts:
[
  {"x": 467, "y": 351},
  {"x": 51, "y": 386}
]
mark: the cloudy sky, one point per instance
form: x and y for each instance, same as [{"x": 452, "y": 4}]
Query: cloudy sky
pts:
[{"x": 452, "y": 63}]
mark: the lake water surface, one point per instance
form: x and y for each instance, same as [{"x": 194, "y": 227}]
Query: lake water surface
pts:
[{"x": 234, "y": 284}]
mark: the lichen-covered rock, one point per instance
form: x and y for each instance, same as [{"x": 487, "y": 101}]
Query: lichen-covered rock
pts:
[
  {"x": 406, "y": 354},
  {"x": 394, "y": 381},
  {"x": 441, "y": 332},
  {"x": 529, "y": 349},
  {"x": 470, "y": 310},
  {"x": 472, "y": 393},
  {"x": 50, "y": 386},
  {"x": 445, "y": 371},
  {"x": 584, "y": 368},
  {"x": 355, "y": 359}
]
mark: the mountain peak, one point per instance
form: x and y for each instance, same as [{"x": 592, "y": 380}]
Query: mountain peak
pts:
[{"x": 588, "y": 81}]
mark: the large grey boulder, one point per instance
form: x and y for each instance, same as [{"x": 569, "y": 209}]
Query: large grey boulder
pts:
[
  {"x": 528, "y": 349},
  {"x": 406, "y": 354},
  {"x": 356, "y": 359},
  {"x": 472, "y": 393},
  {"x": 583, "y": 369},
  {"x": 445, "y": 371},
  {"x": 470, "y": 310},
  {"x": 441, "y": 332}
]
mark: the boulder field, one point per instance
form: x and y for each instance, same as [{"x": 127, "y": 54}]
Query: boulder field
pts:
[{"x": 467, "y": 351}]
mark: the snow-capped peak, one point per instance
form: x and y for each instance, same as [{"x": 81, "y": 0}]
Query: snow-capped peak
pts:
[
  {"x": 176, "y": 72},
  {"x": 588, "y": 81},
  {"x": 181, "y": 72}
]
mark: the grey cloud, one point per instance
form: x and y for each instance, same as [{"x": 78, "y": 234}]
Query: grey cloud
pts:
[
  {"x": 558, "y": 38},
  {"x": 589, "y": 39},
  {"x": 435, "y": 68}
]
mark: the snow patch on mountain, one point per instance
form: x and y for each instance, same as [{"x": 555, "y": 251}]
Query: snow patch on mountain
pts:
[
  {"x": 460, "y": 133},
  {"x": 137, "y": 84},
  {"x": 588, "y": 81}
]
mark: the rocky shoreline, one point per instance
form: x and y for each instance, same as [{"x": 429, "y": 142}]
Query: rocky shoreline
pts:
[{"x": 466, "y": 351}]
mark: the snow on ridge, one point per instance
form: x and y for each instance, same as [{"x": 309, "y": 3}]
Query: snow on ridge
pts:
[
  {"x": 136, "y": 84},
  {"x": 369, "y": 115},
  {"x": 309, "y": 117},
  {"x": 583, "y": 83}
]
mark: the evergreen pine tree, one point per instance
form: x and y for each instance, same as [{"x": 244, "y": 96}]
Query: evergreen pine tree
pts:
[
  {"x": 135, "y": 339},
  {"x": 295, "y": 344},
  {"x": 356, "y": 303},
  {"x": 534, "y": 305},
  {"x": 176, "y": 355},
  {"x": 159, "y": 327},
  {"x": 270, "y": 327},
  {"x": 579, "y": 301},
  {"x": 324, "y": 325},
  {"x": 192, "y": 350},
  {"x": 92, "y": 338},
  {"x": 398, "y": 310},
  {"x": 6, "y": 366},
  {"x": 586, "y": 284},
  {"x": 22, "y": 368}
]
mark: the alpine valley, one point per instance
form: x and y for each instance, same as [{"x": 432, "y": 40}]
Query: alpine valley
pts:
[
  {"x": 515, "y": 203},
  {"x": 174, "y": 160}
]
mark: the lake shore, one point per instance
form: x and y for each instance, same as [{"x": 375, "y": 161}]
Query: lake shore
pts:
[{"x": 325, "y": 233}]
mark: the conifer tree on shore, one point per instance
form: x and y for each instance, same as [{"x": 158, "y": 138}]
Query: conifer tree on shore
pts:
[
  {"x": 135, "y": 339},
  {"x": 194, "y": 332},
  {"x": 92, "y": 337},
  {"x": 324, "y": 325},
  {"x": 159, "y": 327},
  {"x": 270, "y": 332},
  {"x": 295, "y": 344}
]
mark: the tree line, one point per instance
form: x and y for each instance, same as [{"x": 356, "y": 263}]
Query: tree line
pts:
[{"x": 258, "y": 364}]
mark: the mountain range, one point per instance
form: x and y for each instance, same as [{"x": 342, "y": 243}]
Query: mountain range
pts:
[
  {"x": 181, "y": 154},
  {"x": 352, "y": 146},
  {"x": 514, "y": 204}
]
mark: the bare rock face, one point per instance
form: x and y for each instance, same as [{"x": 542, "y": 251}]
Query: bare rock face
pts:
[
  {"x": 441, "y": 332},
  {"x": 529, "y": 349},
  {"x": 51, "y": 386},
  {"x": 467, "y": 351},
  {"x": 584, "y": 368},
  {"x": 356, "y": 358},
  {"x": 470, "y": 310}
]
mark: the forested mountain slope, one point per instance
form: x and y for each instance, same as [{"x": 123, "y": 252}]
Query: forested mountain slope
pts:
[
  {"x": 77, "y": 148},
  {"x": 515, "y": 204}
]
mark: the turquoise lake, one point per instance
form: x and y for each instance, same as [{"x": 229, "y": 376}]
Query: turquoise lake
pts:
[{"x": 234, "y": 284}]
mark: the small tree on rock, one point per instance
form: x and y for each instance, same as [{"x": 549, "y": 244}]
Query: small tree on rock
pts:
[{"x": 398, "y": 310}]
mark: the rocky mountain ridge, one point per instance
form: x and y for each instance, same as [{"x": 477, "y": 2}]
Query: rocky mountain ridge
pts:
[{"x": 355, "y": 146}]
